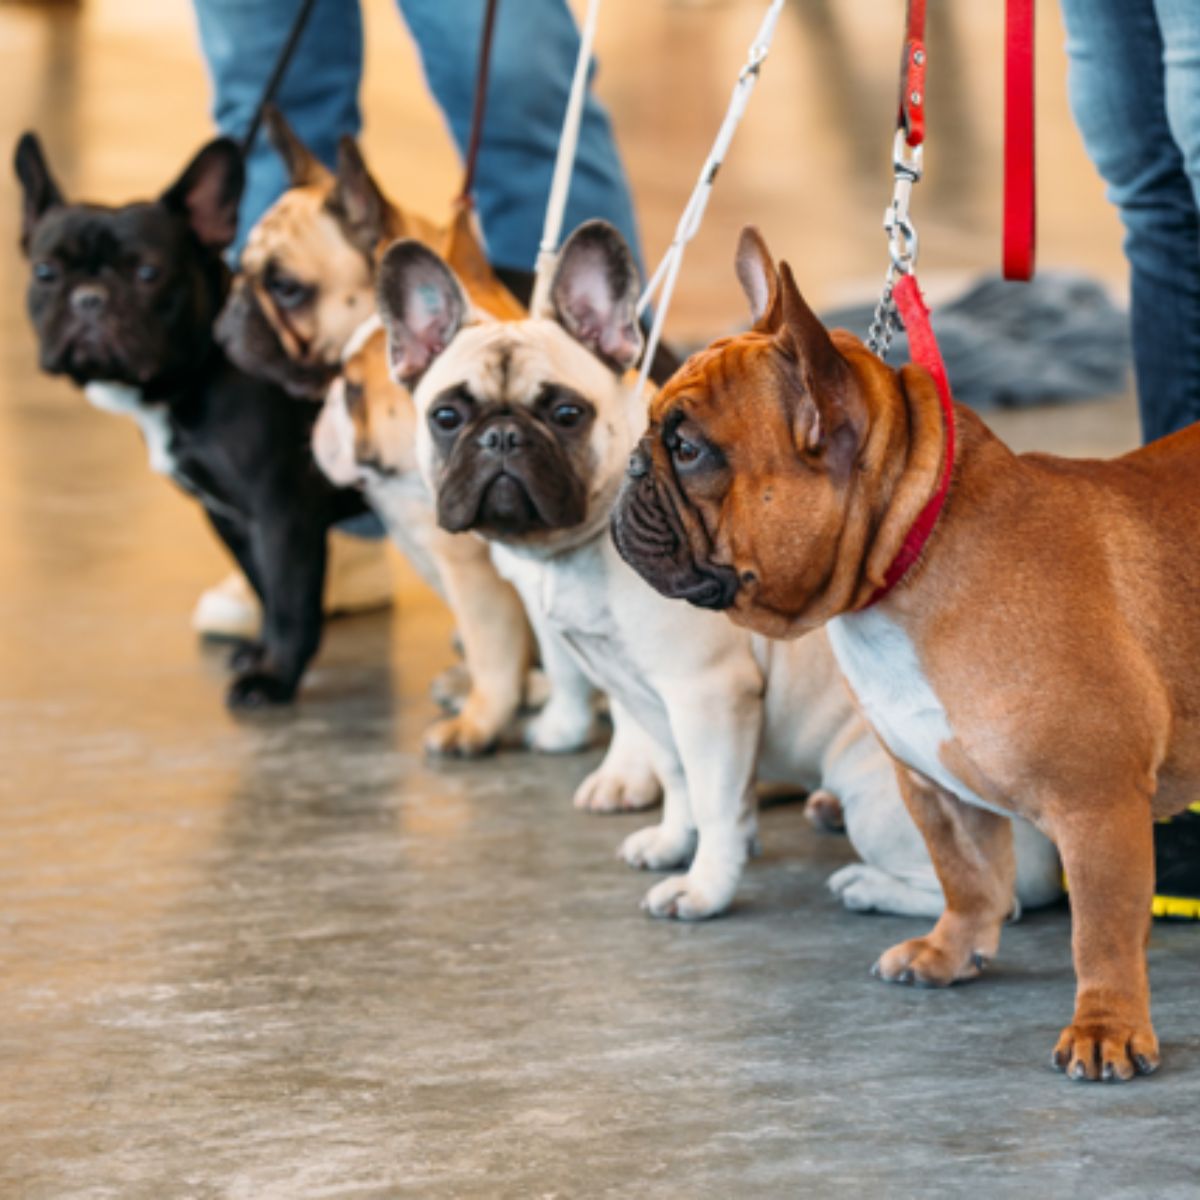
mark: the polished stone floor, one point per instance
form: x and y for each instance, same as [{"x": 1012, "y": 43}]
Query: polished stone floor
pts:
[{"x": 286, "y": 958}]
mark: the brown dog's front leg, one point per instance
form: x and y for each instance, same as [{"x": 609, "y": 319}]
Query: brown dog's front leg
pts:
[
  {"x": 972, "y": 852},
  {"x": 1109, "y": 860}
]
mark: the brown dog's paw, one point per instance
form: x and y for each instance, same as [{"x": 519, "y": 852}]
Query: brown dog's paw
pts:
[
  {"x": 922, "y": 962},
  {"x": 458, "y": 737},
  {"x": 1109, "y": 1050}
]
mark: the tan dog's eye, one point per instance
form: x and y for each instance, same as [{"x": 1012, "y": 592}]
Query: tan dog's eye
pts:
[
  {"x": 567, "y": 415},
  {"x": 286, "y": 291},
  {"x": 446, "y": 418}
]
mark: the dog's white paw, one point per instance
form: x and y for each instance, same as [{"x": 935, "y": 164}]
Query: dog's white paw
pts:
[
  {"x": 863, "y": 888},
  {"x": 658, "y": 847},
  {"x": 560, "y": 729},
  {"x": 687, "y": 898},
  {"x": 607, "y": 790}
]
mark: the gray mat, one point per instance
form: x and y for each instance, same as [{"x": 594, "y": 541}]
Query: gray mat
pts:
[{"x": 1056, "y": 339}]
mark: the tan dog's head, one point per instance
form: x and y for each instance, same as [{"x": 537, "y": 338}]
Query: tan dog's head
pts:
[
  {"x": 306, "y": 279},
  {"x": 768, "y": 481},
  {"x": 523, "y": 426}
]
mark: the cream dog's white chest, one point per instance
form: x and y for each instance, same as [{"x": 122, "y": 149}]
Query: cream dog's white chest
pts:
[
  {"x": 151, "y": 419},
  {"x": 882, "y": 668}
]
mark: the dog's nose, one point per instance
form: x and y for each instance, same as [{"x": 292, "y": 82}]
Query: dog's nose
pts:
[
  {"x": 639, "y": 463},
  {"x": 502, "y": 437},
  {"x": 89, "y": 299}
]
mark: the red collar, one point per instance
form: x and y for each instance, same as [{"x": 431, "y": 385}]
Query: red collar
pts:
[{"x": 923, "y": 349}]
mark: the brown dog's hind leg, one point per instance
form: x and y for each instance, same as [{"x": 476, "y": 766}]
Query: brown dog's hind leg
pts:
[
  {"x": 972, "y": 852},
  {"x": 1108, "y": 854}
]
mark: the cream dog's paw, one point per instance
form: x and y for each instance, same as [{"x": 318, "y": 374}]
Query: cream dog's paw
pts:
[
  {"x": 560, "y": 729},
  {"x": 863, "y": 888},
  {"x": 606, "y": 790},
  {"x": 658, "y": 847},
  {"x": 687, "y": 898}
]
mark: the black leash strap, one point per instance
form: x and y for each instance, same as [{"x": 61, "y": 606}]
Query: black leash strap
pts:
[
  {"x": 277, "y": 73},
  {"x": 481, "y": 83}
]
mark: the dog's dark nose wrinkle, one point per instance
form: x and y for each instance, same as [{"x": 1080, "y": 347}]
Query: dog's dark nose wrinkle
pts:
[{"x": 501, "y": 437}]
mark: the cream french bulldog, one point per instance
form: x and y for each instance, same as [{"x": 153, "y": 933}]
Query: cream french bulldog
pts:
[{"x": 523, "y": 431}]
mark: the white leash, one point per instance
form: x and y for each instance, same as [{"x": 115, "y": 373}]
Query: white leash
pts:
[
  {"x": 564, "y": 163},
  {"x": 667, "y": 271}
]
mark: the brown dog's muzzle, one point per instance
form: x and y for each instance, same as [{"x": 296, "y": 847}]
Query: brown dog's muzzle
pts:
[{"x": 650, "y": 537}]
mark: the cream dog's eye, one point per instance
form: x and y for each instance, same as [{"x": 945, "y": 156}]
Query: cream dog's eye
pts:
[
  {"x": 567, "y": 415},
  {"x": 446, "y": 418}
]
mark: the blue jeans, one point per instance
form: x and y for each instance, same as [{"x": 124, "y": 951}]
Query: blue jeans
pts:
[
  {"x": 1135, "y": 94},
  {"x": 533, "y": 58}
]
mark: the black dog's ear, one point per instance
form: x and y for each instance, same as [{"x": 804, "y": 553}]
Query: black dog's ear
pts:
[
  {"x": 303, "y": 166},
  {"x": 595, "y": 291},
  {"x": 356, "y": 201},
  {"x": 39, "y": 192},
  {"x": 422, "y": 307},
  {"x": 208, "y": 191}
]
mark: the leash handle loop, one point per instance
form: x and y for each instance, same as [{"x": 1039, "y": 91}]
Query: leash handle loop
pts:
[
  {"x": 910, "y": 116},
  {"x": 1020, "y": 198}
]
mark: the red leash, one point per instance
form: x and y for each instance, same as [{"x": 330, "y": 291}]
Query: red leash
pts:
[{"x": 1020, "y": 202}]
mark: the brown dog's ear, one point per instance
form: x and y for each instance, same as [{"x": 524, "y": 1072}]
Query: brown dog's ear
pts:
[
  {"x": 356, "y": 201},
  {"x": 827, "y": 410},
  {"x": 759, "y": 279},
  {"x": 422, "y": 307},
  {"x": 594, "y": 294},
  {"x": 303, "y": 166},
  {"x": 39, "y": 192},
  {"x": 208, "y": 191}
]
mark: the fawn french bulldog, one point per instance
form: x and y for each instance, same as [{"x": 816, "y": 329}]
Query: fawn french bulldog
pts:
[
  {"x": 123, "y": 301},
  {"x": 302, "y": 312},
  {"x": 1037, "y": 660},
  {"x": 523, "y": 432}
]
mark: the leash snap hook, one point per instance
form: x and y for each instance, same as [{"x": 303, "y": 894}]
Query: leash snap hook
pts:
[{"x": 907, "y": 165}]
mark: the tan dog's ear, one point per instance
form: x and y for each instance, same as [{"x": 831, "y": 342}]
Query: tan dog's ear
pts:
[
  {"x": 303, "y": 166},
  {"x": 39, "y": 192},
  {"x": 356, "y": 201},
  {"x": 422, "y": 307},
  {"x": 759, "y": 279},
  {"x": 208, "y": 191},
  {"x": 595, "y": 292}
]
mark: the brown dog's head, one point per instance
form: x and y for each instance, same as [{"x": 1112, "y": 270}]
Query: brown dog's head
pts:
[
  {"x": 782, "y": 467},
  {"x": 306, "y": 280}
]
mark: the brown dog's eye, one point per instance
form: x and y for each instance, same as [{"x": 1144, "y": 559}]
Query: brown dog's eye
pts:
[
  {"x": 685, "y": 453},
  {"x": 446, "y": 418},
  {"x": 567, "y": 415}
]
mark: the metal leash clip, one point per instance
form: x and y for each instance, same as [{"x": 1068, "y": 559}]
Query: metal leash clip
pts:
[{"x": 902, "y": 240}]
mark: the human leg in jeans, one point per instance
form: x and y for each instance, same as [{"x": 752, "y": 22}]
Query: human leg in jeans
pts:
[{"x": 1135, "y": 94}]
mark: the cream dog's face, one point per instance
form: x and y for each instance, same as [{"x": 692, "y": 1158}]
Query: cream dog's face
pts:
[{"x": 523, "y": 427}]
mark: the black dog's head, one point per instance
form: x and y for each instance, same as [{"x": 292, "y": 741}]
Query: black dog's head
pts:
[
  {"x": 522, "y": 426},
  {"x": 128, "y": 294}
]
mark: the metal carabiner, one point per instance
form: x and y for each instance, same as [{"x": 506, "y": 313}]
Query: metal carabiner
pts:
[{"x": 902, "y": 233}]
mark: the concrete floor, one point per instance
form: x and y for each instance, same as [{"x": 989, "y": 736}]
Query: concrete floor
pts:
[{"x": 286, "y": 958}]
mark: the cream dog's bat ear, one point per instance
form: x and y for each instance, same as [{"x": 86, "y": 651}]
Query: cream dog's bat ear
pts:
[
  {"x": 422, "y": 307},
  {"x": 303, "y": 166},
  {"x": 595, "y": 292},
  {"x": 759, "y": 279}
]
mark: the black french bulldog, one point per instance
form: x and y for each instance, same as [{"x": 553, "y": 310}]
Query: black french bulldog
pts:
[{"x": 123, "y": 301}]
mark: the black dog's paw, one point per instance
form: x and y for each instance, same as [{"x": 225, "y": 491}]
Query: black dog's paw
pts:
[
  {"x": 246, "y": 656},
  {"x": 258, "y": 689}
]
